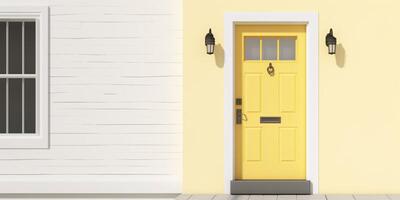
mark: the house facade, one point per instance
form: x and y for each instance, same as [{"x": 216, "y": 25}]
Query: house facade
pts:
[
  {"x": 355, "y": 146},
  {"x": 121, "y": 97}
]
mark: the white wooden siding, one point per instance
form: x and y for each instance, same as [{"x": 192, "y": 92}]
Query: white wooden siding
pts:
[{"x": 115, "y": 101}]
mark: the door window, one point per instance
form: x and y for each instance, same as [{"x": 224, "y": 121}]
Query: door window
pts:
[
  {"x": 272, "y": 48},
  {"x": 269, "y": 48},
  {"x": 252, "y": 48},
  {"x": 287, "y": 48}
]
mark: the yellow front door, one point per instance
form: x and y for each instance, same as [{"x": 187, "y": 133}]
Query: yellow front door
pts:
[{"x": 270, "y": 136}]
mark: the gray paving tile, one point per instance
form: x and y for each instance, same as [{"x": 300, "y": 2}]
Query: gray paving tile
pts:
[
  {"x": 340, "y": 197},
  {"x": 240, "y": 197},
  {"x": 286, "y": 197},
  {"x": 263, "y": 197},
  {"x": 270, "y": 197},
  {"x": 202, "y": 197},
  {"x": 222, "y": 197},
  {"x": 311, "y": 197},
  {"x": 183, "y": 197},
  {"x": 256, "y": 197},
  {"x": 371, "y": 197},
  {"x": 393, "y": 196}
]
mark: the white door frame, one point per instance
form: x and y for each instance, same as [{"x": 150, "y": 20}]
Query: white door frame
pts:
[{"x": 311, "y": 21}]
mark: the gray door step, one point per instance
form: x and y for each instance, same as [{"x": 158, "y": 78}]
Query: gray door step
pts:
[{"x": 301, "y": 187}]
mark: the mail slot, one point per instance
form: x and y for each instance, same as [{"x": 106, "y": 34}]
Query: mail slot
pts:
[{"x": 270, "y": 120}]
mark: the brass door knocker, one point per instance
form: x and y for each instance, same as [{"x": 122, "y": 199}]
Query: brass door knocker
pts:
[{"x": 271, "y": 70}]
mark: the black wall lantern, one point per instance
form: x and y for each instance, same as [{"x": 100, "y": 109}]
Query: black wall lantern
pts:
[
  {"x": 330, "y": 42},
  {"x": 210, "y": 42}
]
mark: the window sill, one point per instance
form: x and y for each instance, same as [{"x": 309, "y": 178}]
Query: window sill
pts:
[{"x": 23, "y": 142}]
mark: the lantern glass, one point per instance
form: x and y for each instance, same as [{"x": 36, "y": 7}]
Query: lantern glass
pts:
[
  {"x": 210, "y": 48},
  {"x": 332, "y": 48}
]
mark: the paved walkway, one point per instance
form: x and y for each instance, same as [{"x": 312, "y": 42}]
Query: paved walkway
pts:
[{"x": 288, "y": 197}]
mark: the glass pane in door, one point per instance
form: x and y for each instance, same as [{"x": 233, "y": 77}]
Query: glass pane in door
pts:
[
  {"x": 287, "y": 48},
  {"x": 251, "y": 48},
  {"x": 269, "y": 49}
]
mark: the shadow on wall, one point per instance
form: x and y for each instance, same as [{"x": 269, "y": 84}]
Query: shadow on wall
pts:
[
  {"x": 219, "y": 54},
  {"x": 340, "y": 56}
]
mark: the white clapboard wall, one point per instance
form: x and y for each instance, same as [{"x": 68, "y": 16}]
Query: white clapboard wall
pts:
[{"x": 115, "y": 101}]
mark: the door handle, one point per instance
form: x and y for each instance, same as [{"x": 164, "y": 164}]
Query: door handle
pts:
[
  {"x": 270, "y": 120},
  {"x": 240, "y": 116}
]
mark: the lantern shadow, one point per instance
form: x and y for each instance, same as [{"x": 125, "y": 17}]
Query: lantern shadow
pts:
[
  {"x": 219, "y": 55},
  {"x": 340, "y": 56}
]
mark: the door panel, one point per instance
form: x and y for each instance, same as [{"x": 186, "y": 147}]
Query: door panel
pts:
[
  {"x": 253, "y": 89},
  {"x": 253, "y": 144},
  {"x": 287, "y": 89},
  {"x": 287, "y": 144},
  {"x": 265, "y": 147}
]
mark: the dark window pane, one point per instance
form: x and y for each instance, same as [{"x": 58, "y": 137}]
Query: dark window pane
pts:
[
  {"x": 29, "y": 105},
  {"x": 2, "y": 47},
  {"x": 15, "y": 106},
  {"x": 2, "y": 105},
  {"x": 29, "y": 42},
  {"x": 15, "y": 47}
]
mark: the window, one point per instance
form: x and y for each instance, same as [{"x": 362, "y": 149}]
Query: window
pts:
[
  {"x": 269, "y": 48},
  {"x": 252, "y": 48},
  {"x": 24, "y": 77},
  {"x": 287, "y": 48},
  {"x": 272, "y": 48}
]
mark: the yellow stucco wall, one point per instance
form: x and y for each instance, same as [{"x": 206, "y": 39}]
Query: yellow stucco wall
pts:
[{"x": 359, "y": 93}]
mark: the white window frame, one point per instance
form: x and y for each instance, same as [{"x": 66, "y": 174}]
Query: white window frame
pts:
[{"x": 41, "y": 138}]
